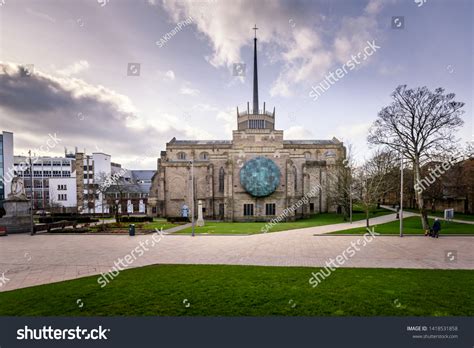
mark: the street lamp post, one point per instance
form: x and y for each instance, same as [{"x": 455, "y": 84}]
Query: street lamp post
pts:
[
  {"x": 192, "y": 196},
  {"x": 350, "y": 195},
  {"x": 32, "y": 225},
  {"x": 401, "y": 194}
]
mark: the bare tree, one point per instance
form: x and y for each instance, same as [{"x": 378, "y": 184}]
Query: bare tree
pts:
[
  {"x": 53, "y": 205},
  {"x": 340, "y": 183},
  {"x": 419, "y": 124},
  {"x": 123, "y": 189},
  {"x": 373, "y": 179}
]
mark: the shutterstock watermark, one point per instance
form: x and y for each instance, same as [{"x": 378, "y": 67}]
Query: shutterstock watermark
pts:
[
  {"x": 290, "y": 210},
  {"x": 49, "y": 333},
  {"x": 3, "y": 280},
  {"x": 165, "y": 38},
  {"x": 112, "y": 180},
  {"x": 122, "y": 263},
  {"x": 339, "y": 73},
  {"x": 50, "y": 143},
  {"x": 333, "y": 264},
  {"x": 436, "y": 172}
]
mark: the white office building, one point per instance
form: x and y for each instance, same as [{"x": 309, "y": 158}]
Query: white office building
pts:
[
  {"x": 62, "y": 192},
  {"x": 47, "y": 172},
  {"x": 6, "y": 164}
]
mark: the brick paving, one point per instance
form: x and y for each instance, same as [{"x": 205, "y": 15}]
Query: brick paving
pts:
[{"x": 32, "y": 260}]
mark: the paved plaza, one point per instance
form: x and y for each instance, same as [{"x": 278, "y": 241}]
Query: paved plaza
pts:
[{"x": 31, "y": 260}]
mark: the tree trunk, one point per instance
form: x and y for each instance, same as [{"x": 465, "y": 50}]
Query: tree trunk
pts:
[
  {"x": 367, "y": 217},
  {"x": 419, "y": 196}
]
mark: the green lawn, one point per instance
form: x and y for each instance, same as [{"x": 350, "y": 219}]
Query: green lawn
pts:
[
  {"x": 158, "y": 223},
  {"x": 457, "y": 216},
  {"x": 412, "y": 225},
  {"x": 213, "y": 227},
  {"x": 204, "y": 290}
]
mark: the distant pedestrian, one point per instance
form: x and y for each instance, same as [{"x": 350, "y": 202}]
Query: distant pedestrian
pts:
[{"x": 436, "y": 228}]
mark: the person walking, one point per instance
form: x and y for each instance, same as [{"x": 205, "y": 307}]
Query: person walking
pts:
[{"x": 436, "y": 228}]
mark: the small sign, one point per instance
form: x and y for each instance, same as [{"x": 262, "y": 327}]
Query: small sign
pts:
[
  {"x": 449, "y": 214},
  {"x": 3, "y": 231}
]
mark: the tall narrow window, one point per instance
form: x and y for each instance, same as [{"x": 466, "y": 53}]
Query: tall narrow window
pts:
[
  {"x": 295, "y": 178},
  {"x": 221, "y": 179},
  {"x": 221, "y": 210},
  {"x": 248, "y": 209},
  {"x": 270, "y": 209}
]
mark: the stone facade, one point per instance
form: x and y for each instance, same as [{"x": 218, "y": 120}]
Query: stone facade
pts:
[{"x": 303, "y": 165}]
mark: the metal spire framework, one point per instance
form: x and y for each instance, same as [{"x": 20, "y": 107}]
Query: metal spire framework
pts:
[{"x": 255, "y": 74}]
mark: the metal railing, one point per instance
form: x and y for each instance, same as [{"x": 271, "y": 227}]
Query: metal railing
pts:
[{"x": 260, "y": 112}]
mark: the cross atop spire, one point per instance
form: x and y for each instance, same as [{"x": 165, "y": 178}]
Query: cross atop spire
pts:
[{"x": 255, "y": 28}]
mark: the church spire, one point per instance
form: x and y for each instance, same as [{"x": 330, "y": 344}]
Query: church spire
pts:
[{"x": 255, "y": 74}]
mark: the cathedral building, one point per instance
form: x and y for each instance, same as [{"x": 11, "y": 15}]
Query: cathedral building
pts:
[{"x": 256, "y": 176}]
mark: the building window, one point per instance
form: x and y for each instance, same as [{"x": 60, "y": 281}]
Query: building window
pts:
[
  {"x": 62, "y": 197},
  {"x": 295, "y": 178},
  {"x": 204, "y": 156},
  {"x": 248, "y": 209},
  {"x": 62, "y": 187},
  {"x": 221, "y": 179},
  {"x": 221, "y": 210},
  {"x": 181, "y": 156},
  {"x": 307, "y": 155},
  {"x": 256, "y": 124},
  {"x": 270, "y": 209}
]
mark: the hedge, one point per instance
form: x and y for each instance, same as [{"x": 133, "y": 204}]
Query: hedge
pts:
[{"x": 136, "y": 219}]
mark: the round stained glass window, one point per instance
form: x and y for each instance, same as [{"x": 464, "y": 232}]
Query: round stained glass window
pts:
[{"x": 260, "y": 176}]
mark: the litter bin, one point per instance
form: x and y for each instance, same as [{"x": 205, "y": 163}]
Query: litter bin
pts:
[{"x": 131, "y": 230}]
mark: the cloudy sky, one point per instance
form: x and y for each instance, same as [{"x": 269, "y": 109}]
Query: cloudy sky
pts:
[{"x": 81, "y": 86}]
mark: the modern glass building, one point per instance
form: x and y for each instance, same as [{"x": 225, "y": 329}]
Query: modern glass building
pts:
[
  {"x": 2, "y": 185},
  {"x": 6, "y": 163}
]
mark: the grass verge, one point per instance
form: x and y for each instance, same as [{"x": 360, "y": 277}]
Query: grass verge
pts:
[
  {"x": 412, "y": 225},
  {"x": 213, "y": 227},
  {"x": 214, "y": 290}
]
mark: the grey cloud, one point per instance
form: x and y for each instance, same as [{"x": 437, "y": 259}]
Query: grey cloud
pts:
[{"x": 82, "y": 114}]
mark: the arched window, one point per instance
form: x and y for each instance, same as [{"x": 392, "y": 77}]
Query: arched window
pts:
[
  {"x": 307, "y": 155},
  {"x": 295, "y": 178},
  {"x": 203, "y": 156},
  {"x": 181, "y": 156},
  {"x": 221, "y": 179}
]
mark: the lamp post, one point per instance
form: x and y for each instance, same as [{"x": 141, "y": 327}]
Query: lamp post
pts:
[
  {"x": 32, "y": 225},
  {"x": 350, "y": 195},
  {"x": 401, "y": 194},
  {"x": 192, "y": 196}
]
